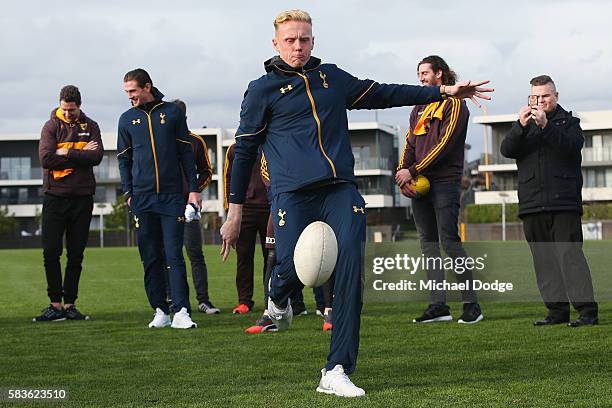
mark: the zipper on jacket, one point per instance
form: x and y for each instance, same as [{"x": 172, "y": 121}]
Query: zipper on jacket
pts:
[
  {"x": 153, "y": 144},
  {"x": 316, "y": 117}
]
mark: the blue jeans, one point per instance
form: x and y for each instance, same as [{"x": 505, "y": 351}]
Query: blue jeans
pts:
[{"x": 436, "y": 216}]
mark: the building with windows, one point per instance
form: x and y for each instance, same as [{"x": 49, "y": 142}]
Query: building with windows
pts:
[
  {"x": 596, "y": 159},
  {"x": 375, "y": 148}
]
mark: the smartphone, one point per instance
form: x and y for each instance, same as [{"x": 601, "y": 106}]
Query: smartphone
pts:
[{"x": 532, "y": 101}]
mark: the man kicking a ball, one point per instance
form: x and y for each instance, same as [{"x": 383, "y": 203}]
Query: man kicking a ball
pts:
[{"x": 297, "y": 111}]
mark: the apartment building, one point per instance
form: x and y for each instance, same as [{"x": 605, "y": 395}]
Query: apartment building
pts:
[{"x": 375, "y": 148}]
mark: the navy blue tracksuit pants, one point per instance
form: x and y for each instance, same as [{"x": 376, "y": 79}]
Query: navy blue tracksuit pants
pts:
[
  {"x": 342, "y": 207},
  {"x": 156, "y": 233}
]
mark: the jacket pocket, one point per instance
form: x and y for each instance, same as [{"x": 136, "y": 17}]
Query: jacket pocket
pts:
[{"x": 563, "y": 186}]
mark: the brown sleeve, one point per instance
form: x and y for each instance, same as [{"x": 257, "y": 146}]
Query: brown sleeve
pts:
[
  {"x": 47, "y": 147},
  {"x": 200, "y": 153},
  {"x": 227, "y": 175},
  {"x": 408, "y": 155}
]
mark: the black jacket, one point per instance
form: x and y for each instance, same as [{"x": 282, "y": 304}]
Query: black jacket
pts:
[{"x": 548, "y": 161}]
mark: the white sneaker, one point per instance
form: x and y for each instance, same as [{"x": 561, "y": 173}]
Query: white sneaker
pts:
[
  {"x": 160, "y": 319},
  {"x": 182, "y": 320},
  {"x": 281, "y": 317},
  {"x": 337, "y": 382}
]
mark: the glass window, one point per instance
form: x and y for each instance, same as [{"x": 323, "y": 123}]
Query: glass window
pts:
[
  {"x": 15, "y": 168},
  {"x": 20, "y": 195},
  {"x": 100, "y": 194}
]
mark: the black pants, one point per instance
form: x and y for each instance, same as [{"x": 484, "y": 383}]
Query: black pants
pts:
[
  {"x": 69, "y": 215},
  {"x": 253, "y": 222},
  {"x": 436, "y": 217},
  {"x": 562, "y": 272},
  {"x": 199, "y": 271}
]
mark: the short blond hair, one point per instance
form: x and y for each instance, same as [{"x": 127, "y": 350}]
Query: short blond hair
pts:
[{"x": 292, "y": 15}]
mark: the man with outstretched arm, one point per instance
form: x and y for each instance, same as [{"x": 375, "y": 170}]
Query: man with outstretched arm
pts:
[{"x": 297, "y": 113}]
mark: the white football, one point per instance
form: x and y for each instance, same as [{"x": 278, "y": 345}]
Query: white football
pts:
[{"x": 315, "y": 254}]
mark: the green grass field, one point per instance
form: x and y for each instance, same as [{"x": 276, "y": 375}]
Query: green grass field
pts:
[{"x": 115, "y": 360}]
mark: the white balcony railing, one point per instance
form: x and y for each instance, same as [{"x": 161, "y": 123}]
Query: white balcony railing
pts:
[
  {"x": 597, "y": 154},
  {"x": 372, "y": 163}
]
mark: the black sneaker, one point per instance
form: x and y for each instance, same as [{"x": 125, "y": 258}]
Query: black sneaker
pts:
[
  {"x": 436, "y": 312},
  {"x": 584, "y": 321},
  {"x": 471, "y": 313},
  {"x": 549, "y": 320},
  {"x": 72, "y": 313},
  {"x": 50, "y": 314},
  {"x": 208, "y": 308},
  {"x": 299, "y": 309}
]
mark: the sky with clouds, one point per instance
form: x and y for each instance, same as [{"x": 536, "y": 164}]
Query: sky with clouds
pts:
[{"x": 206, "y": 52}]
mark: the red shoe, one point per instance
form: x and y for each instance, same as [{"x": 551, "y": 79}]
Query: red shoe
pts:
[
  {"x": 327, "y": 324},
  {"x": 263, "y": 324},
  {"x": 241, "y": 309}
]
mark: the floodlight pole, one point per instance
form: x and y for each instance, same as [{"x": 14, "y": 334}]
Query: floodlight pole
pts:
[
  {"x": 101, "y": 206},
  {"x": 486, "y": 150},
  {"x": 503, "y": 197},
  {"x": 503, "y": 220}
]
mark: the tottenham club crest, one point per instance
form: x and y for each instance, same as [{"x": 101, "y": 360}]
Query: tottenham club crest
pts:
[
  {"x": 281, "y": 214},
  {"x": 324, "y": 78}
]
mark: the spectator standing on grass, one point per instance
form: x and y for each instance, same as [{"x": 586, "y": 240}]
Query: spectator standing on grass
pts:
[
  {"x": 193, "y": 233},
  {"x": 255, "y": 216},
  {"x": 70, "y": 145},
  {"x": 155, "y": 154},
  {"x": 435, "y": 145},
  {"x": 546, "y": 142}
]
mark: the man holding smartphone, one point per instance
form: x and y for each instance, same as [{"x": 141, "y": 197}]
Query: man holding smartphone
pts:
[{"x": 546, "y": 142}]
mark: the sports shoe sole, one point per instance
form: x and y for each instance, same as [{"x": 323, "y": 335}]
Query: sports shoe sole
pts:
[
  {"x": 192, "y": 326},
  {"x": 46, "y": 321},
  {"x": 479, "y": 318},
  {"x": 260, "y": 329},
  {"x": 332, "y": 392},
  {"x": 435, "y": 319},
  {"x": 209, "y": 311},
  {"x": 152, "y": 326}
]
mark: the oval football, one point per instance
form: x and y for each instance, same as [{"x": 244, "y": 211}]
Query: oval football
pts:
[{"x": 315, "y": 254}]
